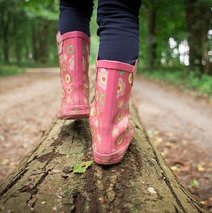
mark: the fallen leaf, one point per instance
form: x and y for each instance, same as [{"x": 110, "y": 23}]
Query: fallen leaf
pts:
[
  {"x": 2, "y": 138},
  {"x": 203, "y": 202},
  {"x": 175, "y": 168},
  {"x": 82, "y": 167},
  {"x": 159, "y": 140},
  {"x": 200, "y": 167},
  {"x": 152, "y": 190},
  {"x": 194, "y": 183},
  {"x": 169, "y": 145},
  {"x": 5, "y": 162}
]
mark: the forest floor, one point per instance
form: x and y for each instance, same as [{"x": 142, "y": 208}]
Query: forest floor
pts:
[{"x": 178, "y": 123}]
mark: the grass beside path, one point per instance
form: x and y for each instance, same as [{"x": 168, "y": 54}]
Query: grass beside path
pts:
[
  {"x": 6, "y": 70},
  {"x": 13, "y": 69},
  {"x": 189, "y": 80}
]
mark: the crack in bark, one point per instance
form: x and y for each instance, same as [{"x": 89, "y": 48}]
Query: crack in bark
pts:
[
  {"x": 176, "y": 210},
  {"x": 51, "y": 155},
  {"x": 16, "y": 177},
  {"x": 79, "y": 202},
  {"x": 89, "y": 180},
  {"x": 25, "y": 164},
  {"x": 24, "y": 170},
  {"x": 92, "y": 191},
  {"x": 34, "y": 190}
]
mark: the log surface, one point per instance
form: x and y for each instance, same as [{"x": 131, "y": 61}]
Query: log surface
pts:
[{"x": 45, "y": 183}]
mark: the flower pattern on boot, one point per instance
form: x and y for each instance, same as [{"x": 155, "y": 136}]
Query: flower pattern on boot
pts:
[
  {"x": 73, "y": 50},
  {"x": 102, "y": 78},
  {"x": 109, "y": 117}
]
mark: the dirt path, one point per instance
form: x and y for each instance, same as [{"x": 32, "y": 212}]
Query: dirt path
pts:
[
  {"x": 178, "y": 124},
  {"x": 28, "y": 103},
  {"x": 168, "y": 110}
]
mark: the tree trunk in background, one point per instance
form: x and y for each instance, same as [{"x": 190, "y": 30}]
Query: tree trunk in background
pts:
[
  {"x": 205, "y": 44},
  {"x": 197, "y": 17},
  {"x": 1, "y": 35},
  {"x": 18, "y": 41},
  {"x": 40, "y": 40},
  {"x": 5, "y": 39},
  {"x": 152, "y": 43},
  {"x": 44, "y": 42},
  {"x": 206, "y": 59},
  {"x": 35, "y": 44},
  {"x": 18, "y": 53}
]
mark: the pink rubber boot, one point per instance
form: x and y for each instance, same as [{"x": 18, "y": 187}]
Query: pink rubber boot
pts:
[
  {"x": 73, "y": 50},
  {"x": 109, "y": 116}
]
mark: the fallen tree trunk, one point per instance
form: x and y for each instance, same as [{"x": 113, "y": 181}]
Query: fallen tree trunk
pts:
[{"x": 45, "y": 182}]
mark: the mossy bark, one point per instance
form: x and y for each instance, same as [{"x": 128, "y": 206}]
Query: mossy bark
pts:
[{"x": 45, "y": 183}]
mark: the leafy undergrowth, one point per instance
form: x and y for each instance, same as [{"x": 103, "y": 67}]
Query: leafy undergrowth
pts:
[
  {"x": 6, "y": 70},
  {"x": 185, "y": 79}
]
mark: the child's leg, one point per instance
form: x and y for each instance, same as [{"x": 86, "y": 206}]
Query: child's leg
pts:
[
  {"x": 118, "y": 30},
  {"x": 73, "y": 49},
  {"x": 118, "y": 52},
  {"x": 75, "y": 15}
]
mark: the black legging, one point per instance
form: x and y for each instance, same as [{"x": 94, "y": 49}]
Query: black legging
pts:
[{"x": 118, "y": 26}]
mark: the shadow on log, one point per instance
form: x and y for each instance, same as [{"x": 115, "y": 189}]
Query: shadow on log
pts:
[{"x": 45, "y": 183}]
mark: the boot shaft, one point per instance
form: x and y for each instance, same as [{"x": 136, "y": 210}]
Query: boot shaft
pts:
[
  {"x": 73, "y": 51},
  {"x": 110, "y": 108}
]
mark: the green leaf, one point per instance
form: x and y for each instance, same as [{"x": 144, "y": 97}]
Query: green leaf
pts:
[
  {"x": 82, "y": 167},
  {"x": 194, "y": 183}
]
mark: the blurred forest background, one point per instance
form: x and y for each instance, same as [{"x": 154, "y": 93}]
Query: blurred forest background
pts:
[
  {"x": 175, "y": 47},
  {"x": 175, "y": 39}
]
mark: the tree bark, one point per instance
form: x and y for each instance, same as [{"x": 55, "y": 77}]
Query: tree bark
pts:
[{"x": 44, "y": 182}]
